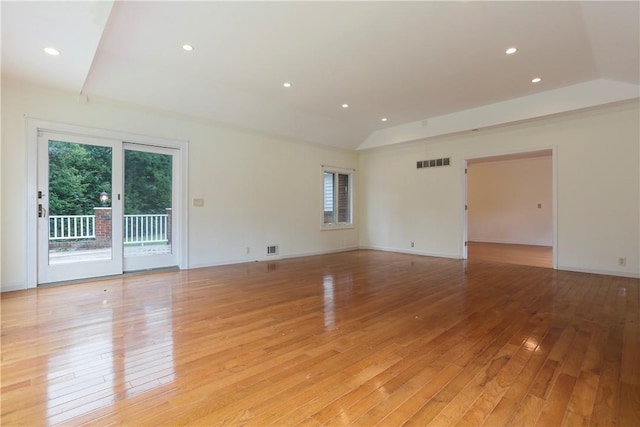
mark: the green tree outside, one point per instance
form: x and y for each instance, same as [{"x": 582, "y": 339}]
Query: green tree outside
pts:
[
  {"x": 79, "y": 173},
  {"x": 147, "y": 182}
]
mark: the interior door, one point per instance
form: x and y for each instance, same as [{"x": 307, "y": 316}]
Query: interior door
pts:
[
  {"x": 79, "y": 207},
  {"x": 150, "y": 226}
]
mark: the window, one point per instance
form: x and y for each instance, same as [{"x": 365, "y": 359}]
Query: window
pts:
[{"x": 337, "y": 197}]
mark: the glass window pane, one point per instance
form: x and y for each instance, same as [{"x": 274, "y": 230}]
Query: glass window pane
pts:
[
  {"x": 329, "y": 216},
  {"x": 344, "y": 199},
  {"x": 147, "y": 203},
  {"x": 79, "y": 202}
]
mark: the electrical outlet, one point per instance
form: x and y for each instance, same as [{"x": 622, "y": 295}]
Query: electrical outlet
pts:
[
  {"x": 198, "y": 203},
  {"x": 248, "y": 250},
  {"x": 412, "y": 244},
  {"x": 622, "y": 261}
]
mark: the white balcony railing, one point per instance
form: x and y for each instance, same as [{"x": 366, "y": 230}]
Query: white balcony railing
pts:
[
  {"x": 66, "y": 227},
  {"x": 146, "y": 228},
  {"x": 153, "y": 228}
]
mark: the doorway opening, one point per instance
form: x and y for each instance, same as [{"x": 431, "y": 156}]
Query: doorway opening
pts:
[{"x": 510, "y": 209}]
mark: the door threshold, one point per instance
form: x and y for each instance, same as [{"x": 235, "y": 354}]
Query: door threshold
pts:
[{"x": 150, "y": 270}]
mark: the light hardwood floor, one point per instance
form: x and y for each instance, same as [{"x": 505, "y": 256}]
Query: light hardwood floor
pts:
[
  {"x": 357, "y": 338},
  {"x": 537, "y": 256}
]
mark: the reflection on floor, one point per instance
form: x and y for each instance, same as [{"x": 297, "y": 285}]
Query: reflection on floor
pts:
[
  {"x": 358, "y": 338},
  {"x": 537, "y": 256}
]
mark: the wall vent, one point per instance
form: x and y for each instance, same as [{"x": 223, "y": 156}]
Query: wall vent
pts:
[
  {"x": 272, "y": 250},
  {"x": 433, "y": 163}
]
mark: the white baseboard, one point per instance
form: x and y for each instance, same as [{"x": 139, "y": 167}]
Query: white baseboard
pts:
[
  {"x": 598, "y": 271},
  {"x": 221, "y": 262},
  {"x": 271, "y": 257},
  {"x": 315, "y": 253},
  {"x": 9, "y": 287},
  {"x": 411, "y": 252}
]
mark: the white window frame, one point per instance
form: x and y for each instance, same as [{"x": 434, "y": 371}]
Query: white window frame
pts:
[{"x": 338, "y": 225}]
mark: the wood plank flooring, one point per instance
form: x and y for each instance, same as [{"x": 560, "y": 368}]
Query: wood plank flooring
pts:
[
  {"x": 536, "y": 256},
  {"x": 359, "y": 338}
]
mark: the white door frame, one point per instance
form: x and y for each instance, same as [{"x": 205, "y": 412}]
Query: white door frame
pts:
[
  {"x": 554, "y": 196},
  {"x": 33, "y": 125},
  {"x": 49, "y": 272}
]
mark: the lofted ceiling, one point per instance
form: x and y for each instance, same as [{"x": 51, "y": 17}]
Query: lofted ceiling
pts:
[{"x": 429, "y": 68}]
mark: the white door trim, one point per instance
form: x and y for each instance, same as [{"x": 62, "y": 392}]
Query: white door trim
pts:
[
  {"x": 554, "y": 210},
  {"x": 33, "y": 125}
]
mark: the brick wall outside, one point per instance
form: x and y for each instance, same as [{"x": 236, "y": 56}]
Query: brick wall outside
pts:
[{"x": 103, "y": 227}]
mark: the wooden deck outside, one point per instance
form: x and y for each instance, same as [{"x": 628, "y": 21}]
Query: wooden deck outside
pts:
[
  {"x": 83, "y": 255},
  {"x": 357, "y": 338}
]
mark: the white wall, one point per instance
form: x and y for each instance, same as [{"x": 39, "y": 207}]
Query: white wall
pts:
[
  {"x": 248, "y": 181},
  {"x": 503, "y": 198},
  {"x": 598, "y": 188},
  {"x": 258, "y": 190}
]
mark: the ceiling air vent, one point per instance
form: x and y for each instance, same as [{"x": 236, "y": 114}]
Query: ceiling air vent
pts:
[
  {"x": 421, "y": 164},
  {"x": 272, "y": 250}
]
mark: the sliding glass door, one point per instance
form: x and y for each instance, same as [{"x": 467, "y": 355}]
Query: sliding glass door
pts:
[
  {"x": 104, "y": 207},
  {"x": 150, "y": 193}
]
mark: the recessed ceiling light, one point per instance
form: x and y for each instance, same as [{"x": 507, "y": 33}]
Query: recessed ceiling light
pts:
[
  {"x": 52, "y": 51},
  {"x": 536, "y": 80},
  {"x": 511, "y": 51},
  {"x": 384, "y": 119},
  {"x": 187, "y": 47},
  {"x": 286, "y": 84},
  {"x": 345, "y": 105}
]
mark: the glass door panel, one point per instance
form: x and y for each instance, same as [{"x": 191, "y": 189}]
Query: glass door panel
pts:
[
  {"x": 149, "y": 229},
  {"x": 79, "y": 220}
]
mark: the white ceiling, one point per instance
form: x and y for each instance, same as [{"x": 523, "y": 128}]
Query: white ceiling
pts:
[{"x": 408, "y": 61}]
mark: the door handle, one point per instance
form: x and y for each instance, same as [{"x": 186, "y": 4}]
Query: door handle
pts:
[{"x": 42, "y": 212}]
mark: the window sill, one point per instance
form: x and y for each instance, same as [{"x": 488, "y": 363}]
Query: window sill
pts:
[{"x": 327, "y": 227}]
